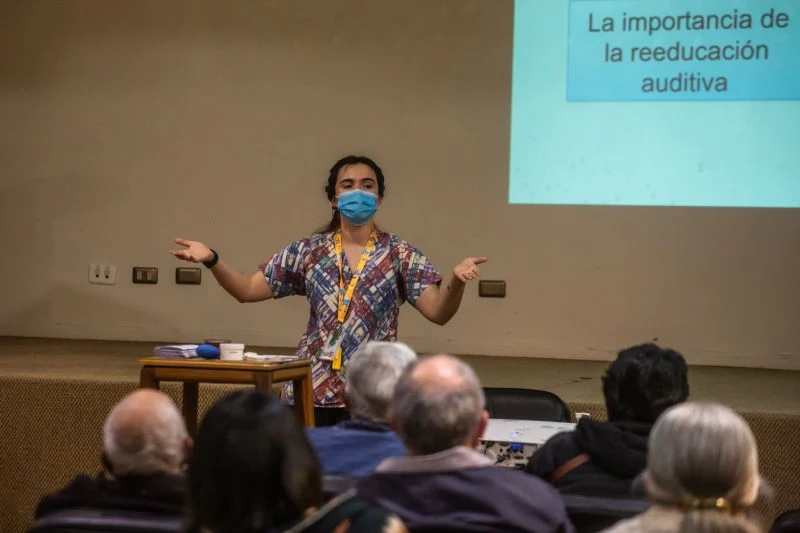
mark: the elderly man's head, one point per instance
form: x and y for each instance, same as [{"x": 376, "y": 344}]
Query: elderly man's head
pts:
[
  {"x": 371, "y": 375},
  {"x": 145, "y": 434},
  {"x": 439, "y": 404}
]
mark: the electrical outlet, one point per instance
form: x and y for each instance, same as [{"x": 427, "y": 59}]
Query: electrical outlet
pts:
[{"x": 102, "y": 274}]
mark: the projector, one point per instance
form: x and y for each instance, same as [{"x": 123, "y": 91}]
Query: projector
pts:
[{"x": 511, "y": 442}]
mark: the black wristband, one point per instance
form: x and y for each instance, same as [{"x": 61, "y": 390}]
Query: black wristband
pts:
[{"x": 213, "y": 261}]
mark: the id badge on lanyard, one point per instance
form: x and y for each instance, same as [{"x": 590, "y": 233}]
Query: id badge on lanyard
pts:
[{"x": 333, "y": 348}]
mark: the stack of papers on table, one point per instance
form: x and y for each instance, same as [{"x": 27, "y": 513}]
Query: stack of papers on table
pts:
[
  {"x": 270, "y": 358},
  {"x": 176, "y": 350}
]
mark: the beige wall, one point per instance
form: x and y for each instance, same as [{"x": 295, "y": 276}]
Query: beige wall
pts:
[{"x": 125, "y": 124}]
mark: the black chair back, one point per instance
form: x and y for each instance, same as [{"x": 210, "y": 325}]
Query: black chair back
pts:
[
  {"x": 525, "y": 404},
  {"x": 590, "y": 514},
  {"x": 788, "y": 522},
  {"x": 85, "y": 520}
]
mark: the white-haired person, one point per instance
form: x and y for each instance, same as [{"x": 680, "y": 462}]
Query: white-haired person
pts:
[
  {"x": 145, "y": 448},
  {"x": 702, "y": 473},
  {"x": 356, "y": 446}
]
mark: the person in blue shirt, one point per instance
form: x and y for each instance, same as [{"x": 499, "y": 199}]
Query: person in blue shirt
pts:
[{"x": 355, "y": 447}]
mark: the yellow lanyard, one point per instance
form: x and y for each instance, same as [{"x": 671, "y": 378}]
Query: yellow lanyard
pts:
[{"x": 346, "y": 295}]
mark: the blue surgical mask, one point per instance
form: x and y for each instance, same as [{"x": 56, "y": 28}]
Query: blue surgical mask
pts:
[{"x": 357, "y": 206}]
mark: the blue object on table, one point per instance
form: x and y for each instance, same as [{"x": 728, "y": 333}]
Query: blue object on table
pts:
[{"x": 207, "y": 351}]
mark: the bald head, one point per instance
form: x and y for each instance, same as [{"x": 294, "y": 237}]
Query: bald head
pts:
[
  {"x": 438, "y": 404},
  {"x": 441, "y": 371},
  {"x": 145, "y": 434}
]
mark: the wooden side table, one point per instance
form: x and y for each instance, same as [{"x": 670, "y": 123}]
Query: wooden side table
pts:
[{"x": 192, "y": 372}]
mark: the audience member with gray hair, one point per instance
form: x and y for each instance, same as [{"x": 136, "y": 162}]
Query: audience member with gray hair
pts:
[
  {"x": 702, "y": 473},
  {"x": 444, "y": 484},
  {"x": 145, "y": 446},
  {"x": 355, "y": 447}
]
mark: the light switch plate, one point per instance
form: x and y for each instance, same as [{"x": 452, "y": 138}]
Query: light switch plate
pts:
[
  {"x": 147, "y": 275},
  {"x": 491, "y": 288},
  {"x": 187, "y": 276}
]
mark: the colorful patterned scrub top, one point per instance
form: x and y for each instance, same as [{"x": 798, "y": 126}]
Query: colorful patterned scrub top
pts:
[{"x": 395, "y": 272}]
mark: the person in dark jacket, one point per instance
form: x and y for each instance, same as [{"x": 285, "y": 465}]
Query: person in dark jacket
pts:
[
  {"x": 145, "y": 445},
  {"x": 253, "y": 470},
  {"x": 444, "y": 484},
  {"x": 604, "y": 458}
]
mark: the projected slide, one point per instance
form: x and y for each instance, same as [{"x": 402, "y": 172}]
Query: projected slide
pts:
[{"x": 656, "y": 103}]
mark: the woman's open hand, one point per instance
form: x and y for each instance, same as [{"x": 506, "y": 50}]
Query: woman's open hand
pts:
[{"x": 193, "y": 251}]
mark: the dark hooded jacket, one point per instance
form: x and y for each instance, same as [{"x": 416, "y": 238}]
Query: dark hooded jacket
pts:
[{"x": 617, "y": 453}]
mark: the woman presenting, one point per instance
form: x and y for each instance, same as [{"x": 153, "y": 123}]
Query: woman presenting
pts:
[{"x": 354, "y": 276}]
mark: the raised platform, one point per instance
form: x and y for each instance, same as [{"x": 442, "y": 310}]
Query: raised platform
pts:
[
  {"x": 56, "y": 394},
  {"x": 744, "y": 389}
]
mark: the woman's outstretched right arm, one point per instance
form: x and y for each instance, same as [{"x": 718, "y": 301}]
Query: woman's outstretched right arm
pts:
[{"x": 245, "y": 289}]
